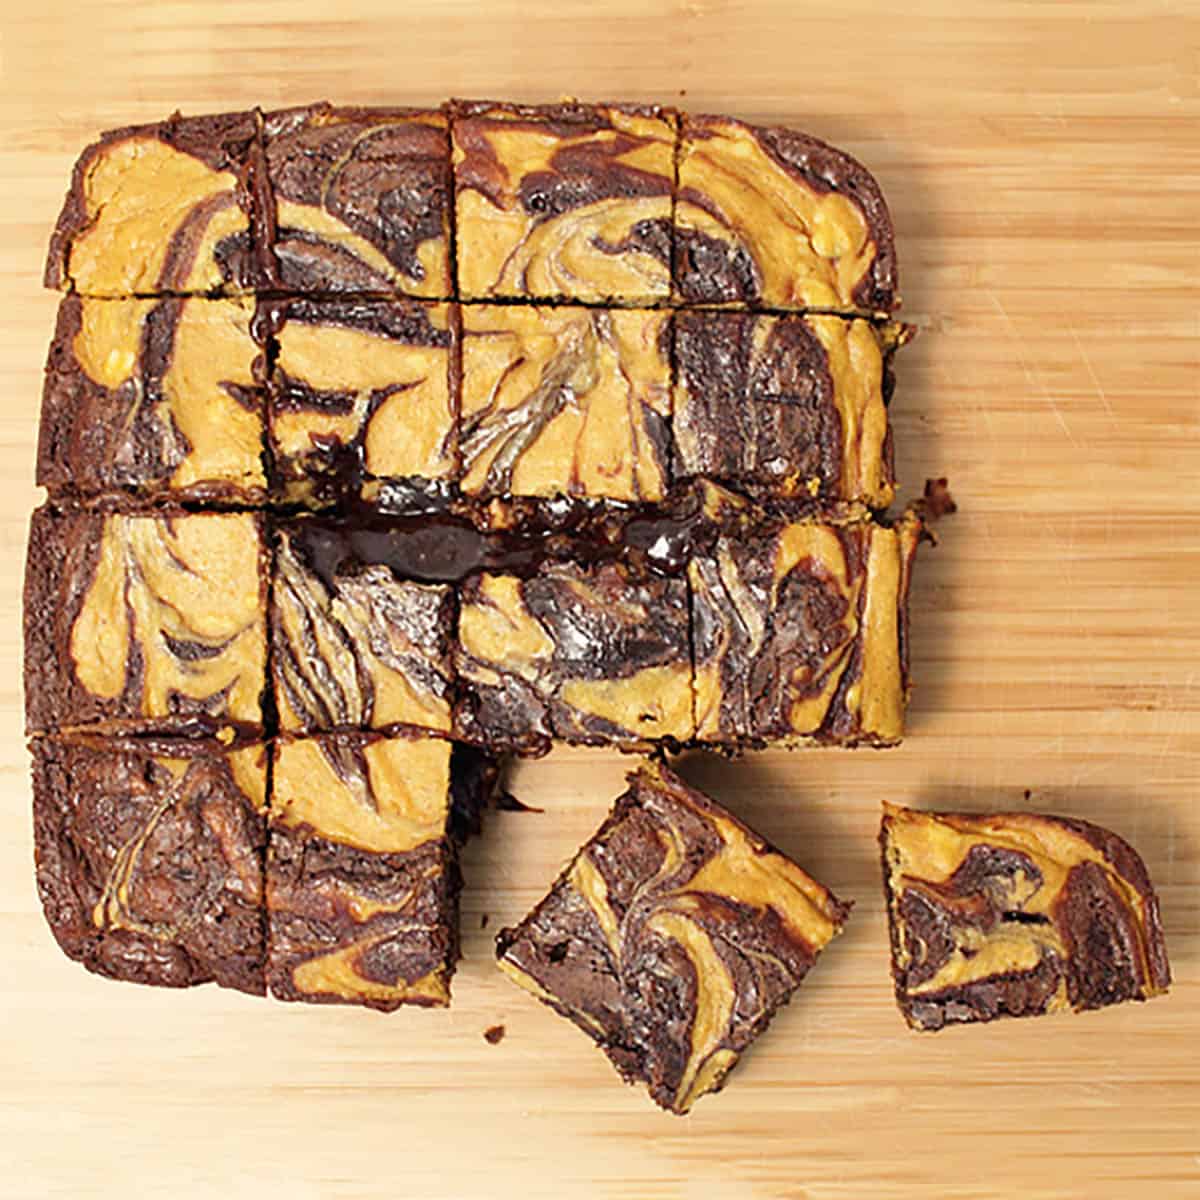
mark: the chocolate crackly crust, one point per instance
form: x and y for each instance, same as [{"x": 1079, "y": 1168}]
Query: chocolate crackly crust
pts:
[
  {"x": 149, "y": 857},
  {"x": 672, "y": 938},
  {"x": 773, "y": 217},
  {"x": 152, "y": 623},
  {"x": 1015, "y": 914},
  {"x": 176, "y": 207}
]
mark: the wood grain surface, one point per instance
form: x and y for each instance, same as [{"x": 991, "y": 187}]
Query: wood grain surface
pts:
[{"x": 1043, "y": 165}]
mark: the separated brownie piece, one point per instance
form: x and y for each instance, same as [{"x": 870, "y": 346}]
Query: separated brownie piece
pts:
[
  {"x": 158, "y": 397},
  {"x": 170, "y": 208},
  {"x": 361, "y": 387},
  {"x": 146, "y": 623},
  {"x": 362, "y": 877},
  {"x": 800, "y": 634},
  {"x": 593, "y": 655},
  {"x": 355, "y": 646},
  {"x": 1015, "y": 914},
  {"x": 361, "y": 200},
  {"x": 774, "y": 217},
  {"x": 565, "y": 401},
  {"x": 794, "y": 406},
  {"x": 149, "y": 857},
  {"x": 672, "y": 938},
  {"x": 564, "y": 201}
]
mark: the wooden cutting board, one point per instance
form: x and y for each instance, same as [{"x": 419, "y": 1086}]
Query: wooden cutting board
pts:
[{"x": 1043, "y": 166}]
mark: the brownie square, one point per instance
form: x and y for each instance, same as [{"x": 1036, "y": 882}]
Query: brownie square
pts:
[
  {"x": 672, "y": 938},
  {"x": 1015, "y": 914},
  {"x": 362, "y": 876},
  {"x": 564, "y": 201},
  {"x": 565, "y": 402},
  {"x": 361, "y": 200},
  {"x": 594, "y": 655},
  {"x": 776, "y": 218},
  {"x": 790, "y": 405},
  {"x": 361, "y": 388},
  {"x": 353, "y": 646},
  {"x": 800, "y": 633},
  {"x": 149, "y": 857},
  {"x": 150, "y": 623},
  {"x": 165, "y": 209},
  {"x": 160, "y": 397}
]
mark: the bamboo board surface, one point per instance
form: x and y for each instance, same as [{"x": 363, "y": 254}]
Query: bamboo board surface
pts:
[{"x": 1042, "y": 163}]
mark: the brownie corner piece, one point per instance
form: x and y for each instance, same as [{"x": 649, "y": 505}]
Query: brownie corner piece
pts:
[
  {"x": 1015, "y": 914},
  {"x": 173, "y": 207},
  {"x": 672, "y": 938},
  {"x": 362, "y": 871},
  {"x": 826, "y": 241},
  {"x": 145, "y": 622},
  {"x": 361, "y": 200},
  {"x": 149, "y": 857},
  {"x": 354, "y": 645},
  {"x": 157, "y": 398},
  {"x": 564, "y": 201}
]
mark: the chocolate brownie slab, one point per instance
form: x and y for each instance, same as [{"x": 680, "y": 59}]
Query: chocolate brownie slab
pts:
[
  {"x": 791, "y": 406},
  {"x": 159, "y": 397},
  {"x": 563, "y": 201},
  {"x": 591, "y": 655},
  {"x": 565, "y": 401},
  {"x": 800, "y": 634},
  {"x": 775, "y": 218},
  {"x": 361, "y": 388},
  {"x": 148, "y": 623},
  {"x": 172, "y": 208},
  {"x": 1015, "y": 914},
  {"x": 362, "y": 875},
  {"x": 149, "y": 857},
  {"x": 361, "y": 200},
  {"x": 353, "y": 645},
  {"x": 672, "y": 938}
]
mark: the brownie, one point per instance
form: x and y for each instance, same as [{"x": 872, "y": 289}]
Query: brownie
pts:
[
  {"x": 148, "y": 623},
  {"x": 672, "y": 938},
  {"x": 799, "y": 634},
  {"x": 586, "y": 654},
  {"x": 1015, "y": 914},
  {"x": 791, "y": 405},
  {"x": 150, "y": 855},
  {"x": 361, "y": 388},
  {"x": 176, "y": 207},
  {"x": 774, "y": 218},
  {"x": 564, "y": 201},
  {"x": 159, "y": 397},
  {"x": 362, "y": 874},
  {"x": 353, "y": 645},
  {"x": 361, "y": 200},
  {"x": 565, "y": 401}
]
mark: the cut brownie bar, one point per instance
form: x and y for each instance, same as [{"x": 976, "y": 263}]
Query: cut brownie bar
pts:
[
  {"x": 147, "y": 623},
  {"x": 170, "y": 208},
  {"x": 565, "y": 201},
  {"x": 149, "y": 857},
  {"x": 795, "y": 406},
  {"x": 565, "y": 401},
  {"x": 355, "y": 646},
  {"x": 362, "y": 877},
  {"x": 362, "y": 200},
  {"x": 800, "y": 634},
  {"x": 672, "y": 938},
  {"x": 1015, "y": 914},
  {"x": 585, "y": 654},
  {"x": 158, "y": 397},
  {"x": 774, "y": 217},
  {"x": 361, "y": 387}
]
